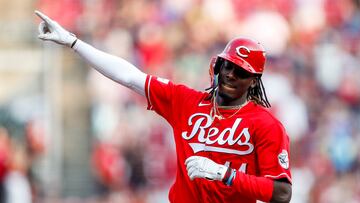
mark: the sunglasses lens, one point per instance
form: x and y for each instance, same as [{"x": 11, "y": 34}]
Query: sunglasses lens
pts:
[{"x": 238, "y": 71}]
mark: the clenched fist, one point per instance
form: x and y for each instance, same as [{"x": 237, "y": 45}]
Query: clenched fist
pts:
[{"x": 202, "y": 167}]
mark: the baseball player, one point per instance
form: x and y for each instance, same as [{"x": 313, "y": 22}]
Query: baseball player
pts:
[{"x": 229, "y": 147}]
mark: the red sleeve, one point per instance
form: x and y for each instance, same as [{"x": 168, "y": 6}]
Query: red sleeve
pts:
[
  {"x": 159, "y": 94},
  {"x": 166, "y": 98},
  {"x": 272, "y": 149},
  {"x": 259, "y": 188}
]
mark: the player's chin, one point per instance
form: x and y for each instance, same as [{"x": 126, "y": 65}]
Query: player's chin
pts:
[{"x": 228, "y": 95}]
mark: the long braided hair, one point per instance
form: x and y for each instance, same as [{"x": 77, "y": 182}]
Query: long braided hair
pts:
[{"x": 257, "y": 93}]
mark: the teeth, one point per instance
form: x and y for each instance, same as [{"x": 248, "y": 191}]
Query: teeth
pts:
[{"x": 229, "y": 86}]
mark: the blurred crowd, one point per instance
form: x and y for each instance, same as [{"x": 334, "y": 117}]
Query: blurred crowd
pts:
[{"x": 311, "y": 79}]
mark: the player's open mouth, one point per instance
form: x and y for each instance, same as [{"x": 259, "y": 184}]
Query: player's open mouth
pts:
[{"x": 227, "y": 86}]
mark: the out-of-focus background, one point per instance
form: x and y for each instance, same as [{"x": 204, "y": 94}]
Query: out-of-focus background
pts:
[{"x": 68, "y": 134}]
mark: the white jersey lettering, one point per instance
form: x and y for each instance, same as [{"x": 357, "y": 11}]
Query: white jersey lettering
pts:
[{"x": 200, "y": 122}]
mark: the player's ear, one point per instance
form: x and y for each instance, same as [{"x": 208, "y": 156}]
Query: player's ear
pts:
[{"x": 253, "y": 82}]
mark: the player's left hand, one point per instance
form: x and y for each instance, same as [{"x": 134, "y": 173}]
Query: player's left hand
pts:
[{"x": 202, "y": 167}]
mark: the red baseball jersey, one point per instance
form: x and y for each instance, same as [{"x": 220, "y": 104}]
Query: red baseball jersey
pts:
[{"x": 251, "y": 139}]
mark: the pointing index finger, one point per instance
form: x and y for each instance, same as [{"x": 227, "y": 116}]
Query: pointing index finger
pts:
[{"x": 43, "y": 17}]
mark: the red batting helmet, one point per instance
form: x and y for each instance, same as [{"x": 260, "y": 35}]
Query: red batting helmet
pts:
[{"x": 246, "y": 53}]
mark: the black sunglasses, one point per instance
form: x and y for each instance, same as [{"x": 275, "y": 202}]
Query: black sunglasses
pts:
[{"x": 238, "y": 71}]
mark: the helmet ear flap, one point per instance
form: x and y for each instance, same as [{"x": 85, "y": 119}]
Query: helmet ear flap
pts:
[
  {"x": 217, "y": 64},
  {"x": 214, "y": 69}
]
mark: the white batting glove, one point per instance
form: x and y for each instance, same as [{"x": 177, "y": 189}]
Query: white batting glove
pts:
[
  {"x": 50, "y": 30},
  {"x": 202, "y": 167}
]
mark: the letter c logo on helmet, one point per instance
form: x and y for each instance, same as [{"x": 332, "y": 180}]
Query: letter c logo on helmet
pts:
[{"x": 238, "y": 51}]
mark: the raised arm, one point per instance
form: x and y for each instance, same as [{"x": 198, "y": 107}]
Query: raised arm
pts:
[{"x": 115, "y": 68}]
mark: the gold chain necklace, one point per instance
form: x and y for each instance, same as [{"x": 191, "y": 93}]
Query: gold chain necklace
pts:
[{"x": 215, "y": 112}]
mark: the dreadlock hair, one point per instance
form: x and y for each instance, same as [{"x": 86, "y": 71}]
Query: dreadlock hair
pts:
[
  {"x": 211, "y": 90},
  {"x": 257, "y": 93}
]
